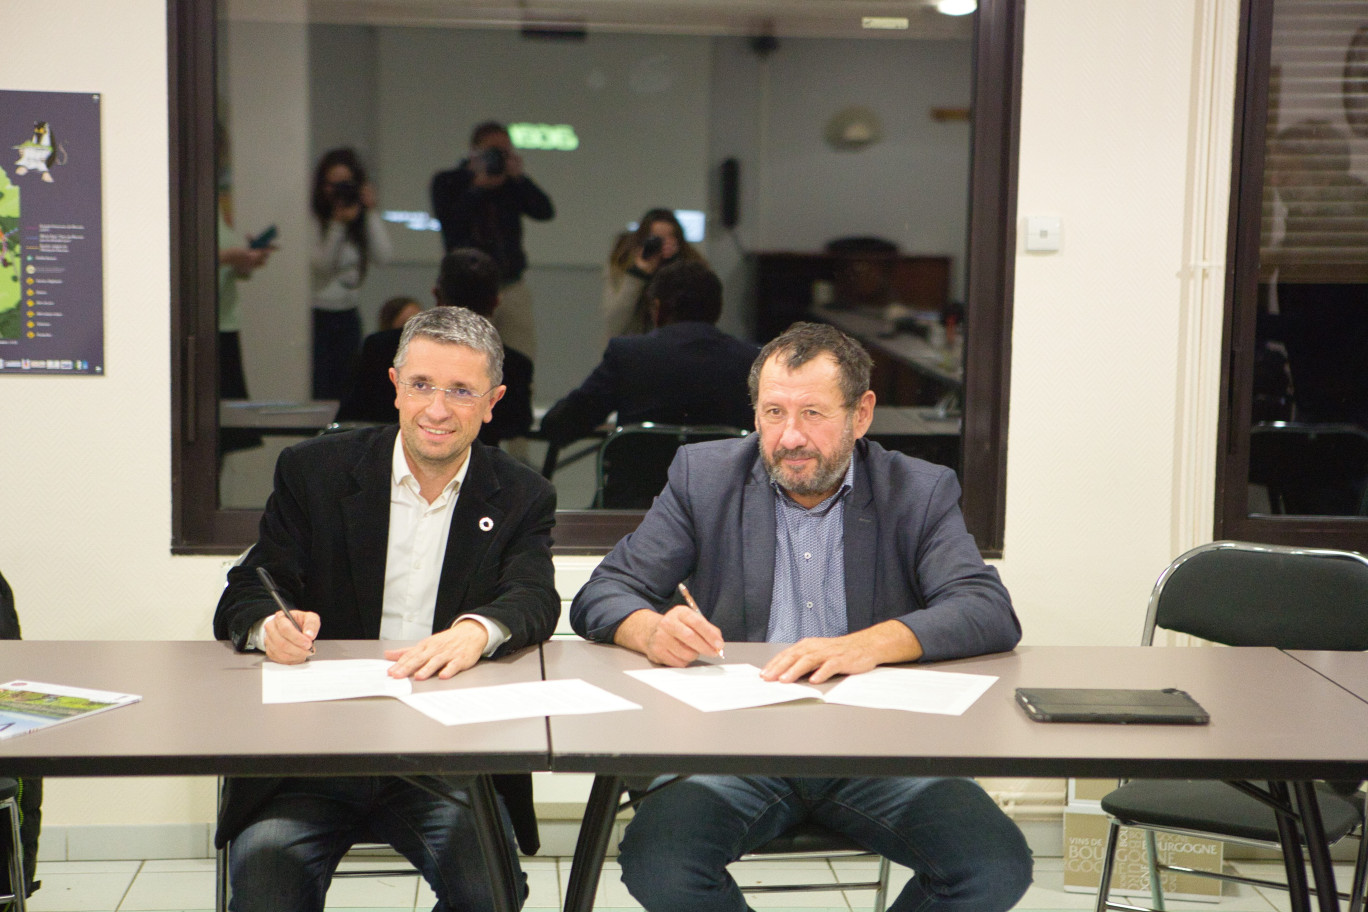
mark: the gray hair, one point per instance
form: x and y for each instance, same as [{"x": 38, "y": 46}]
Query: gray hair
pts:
[
  {"x": 802, "y": 342},
  {"x": 456, "y": 326}
]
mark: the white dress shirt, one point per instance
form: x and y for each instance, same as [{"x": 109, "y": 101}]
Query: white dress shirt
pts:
[{"x": 418, "y": 533}]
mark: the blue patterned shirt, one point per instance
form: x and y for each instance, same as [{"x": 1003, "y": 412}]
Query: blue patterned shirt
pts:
[{"x": 809, "y": 567}]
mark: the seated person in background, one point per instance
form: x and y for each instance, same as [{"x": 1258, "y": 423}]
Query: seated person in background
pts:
[
  {"x": 385, "y": 532},
  {"x": 469, "y": 279},
  {"x": 686, "y": 371},
  {"x": 395, "y": 312},
  {"x": 805, "y": 534},
  {"x": 657, "y": 241}
]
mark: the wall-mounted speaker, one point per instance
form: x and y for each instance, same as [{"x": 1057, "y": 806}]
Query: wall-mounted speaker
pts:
[{"x": 731, "y": 192}]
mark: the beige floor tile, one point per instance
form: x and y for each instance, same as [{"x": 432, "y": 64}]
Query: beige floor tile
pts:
[
  {"x": 82, "y": 891},
  {"x": 169, "y": 890}
]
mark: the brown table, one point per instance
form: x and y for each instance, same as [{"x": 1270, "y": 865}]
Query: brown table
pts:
[
  {"x": 1273, "y": 718},
  {"x": 201, "y": 714},
  {"x": 1347, "y": 669}
]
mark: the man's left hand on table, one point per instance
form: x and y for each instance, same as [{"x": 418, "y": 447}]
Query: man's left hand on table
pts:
[
  {"x": 853, "y": 653},
  {"x": 443, "y": 654}
]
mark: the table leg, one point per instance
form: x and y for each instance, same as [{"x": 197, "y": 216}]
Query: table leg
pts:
[
  {"x": 592, "y": 845},
  {"x": 1327, "y": 895},
  {"x": 1298, "y": 892}
]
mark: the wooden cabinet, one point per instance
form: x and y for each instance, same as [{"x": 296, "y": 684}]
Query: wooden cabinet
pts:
[{"x": 784, "y": 281}]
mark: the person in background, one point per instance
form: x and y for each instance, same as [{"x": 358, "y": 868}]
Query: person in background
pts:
[
  {"x": 686, "y": 371},
  {"x": 416, "y": 533},
  {"x": 481, "y": 203},
  {"x": 808, "y": 535},
  {"x": 395, "y": 312},
  {"x": 238, "y": 260},
  {"x": 657, "y": 241},
  {"x": 470, "y": 279},
  {"x": 351, "y": 237}
]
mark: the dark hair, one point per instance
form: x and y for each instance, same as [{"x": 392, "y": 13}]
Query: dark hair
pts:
[
  {"x": 802, "y": 342},
  {"x": 625, "y": 251},
  {"x": 686, "y": 290},
  {"x": 469, "y": 278},
  {"x": 390, "y": 310},
  {"x": 486, "y": 129},
  {"x": 322, "y": 201},
  {"x": 455, "y": 326}
]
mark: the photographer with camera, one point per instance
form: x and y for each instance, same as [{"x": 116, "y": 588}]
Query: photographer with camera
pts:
[
  {"x": 480, "y": 203},
  {"x": 657, "y": 241},
  {"x": 351, "y": 236}
]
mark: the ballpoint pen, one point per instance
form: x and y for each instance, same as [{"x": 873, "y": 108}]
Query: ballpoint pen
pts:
[
  {"x": 684, "y": 591},
  {"x": 266, "y": 580}
]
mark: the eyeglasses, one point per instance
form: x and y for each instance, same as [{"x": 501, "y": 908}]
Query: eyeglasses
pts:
[{"x": 460, "y": 397}]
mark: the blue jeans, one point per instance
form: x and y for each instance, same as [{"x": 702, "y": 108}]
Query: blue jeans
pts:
[
  {"x": 285, "y": 858},
  {"x": 966, "y": 853}
]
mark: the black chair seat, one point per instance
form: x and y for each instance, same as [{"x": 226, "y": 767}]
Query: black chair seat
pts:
[
  {"x": 809, "y": 837},
  {"x": 1217, "y": 808}
]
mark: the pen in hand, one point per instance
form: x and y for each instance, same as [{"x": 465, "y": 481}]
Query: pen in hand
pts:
[
  {"x": 266, "y": 580},
  {"x": 684, "y": 591}
]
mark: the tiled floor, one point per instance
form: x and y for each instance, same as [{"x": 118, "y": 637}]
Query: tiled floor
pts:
[{"x": 125, "y": 886}]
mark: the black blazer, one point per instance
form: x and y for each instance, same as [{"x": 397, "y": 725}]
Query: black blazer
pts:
[
  {"x": 324, "y": 536},
  {"x": 681, "y": 373},
  {"x": 371, "y": 397}
]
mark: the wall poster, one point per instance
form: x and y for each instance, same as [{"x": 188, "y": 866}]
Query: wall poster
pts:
[{"x": 51, "y": 248}]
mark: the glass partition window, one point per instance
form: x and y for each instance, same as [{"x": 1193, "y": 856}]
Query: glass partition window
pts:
[
  {"x": 305, "y": 174},
  {"x": 1296, "y": 467}
]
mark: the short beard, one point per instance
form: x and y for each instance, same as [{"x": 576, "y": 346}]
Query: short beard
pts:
[{"x": 829, "y": 471}]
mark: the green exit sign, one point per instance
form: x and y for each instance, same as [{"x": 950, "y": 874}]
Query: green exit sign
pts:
[{"x": 554, "y": 137}]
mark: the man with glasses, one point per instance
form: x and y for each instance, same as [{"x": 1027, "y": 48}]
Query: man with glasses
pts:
[
  {"x": 415, "y": 533},
  {"x": 466, "y": 278},
  {"x": 806, "y": 534}
]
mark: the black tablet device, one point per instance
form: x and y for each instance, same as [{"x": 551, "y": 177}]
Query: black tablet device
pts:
[{"x": 1169, "y": 706}]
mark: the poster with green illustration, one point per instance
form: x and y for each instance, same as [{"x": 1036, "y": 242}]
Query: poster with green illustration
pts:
[
  {"x": 11, "y": 252},
  {"x": 51, "y": 227}
]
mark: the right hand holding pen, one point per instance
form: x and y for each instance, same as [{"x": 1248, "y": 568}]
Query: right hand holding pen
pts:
[
  {"x": 286, "y": 645},
  {"x": 680, "y": 636}
]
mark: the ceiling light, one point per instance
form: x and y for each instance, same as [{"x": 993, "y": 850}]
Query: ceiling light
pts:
[{"x": 956, "y": 7}]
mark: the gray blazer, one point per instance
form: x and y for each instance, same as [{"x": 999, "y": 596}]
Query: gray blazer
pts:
[{"x": 907, "y": 553}]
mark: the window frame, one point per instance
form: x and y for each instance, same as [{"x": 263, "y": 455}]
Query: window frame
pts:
[
  {"x": 1232, "y": 519},
  {"x": 200, "y": 526}
]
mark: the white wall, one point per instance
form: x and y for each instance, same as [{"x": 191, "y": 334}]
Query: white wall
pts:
[
  {"x": 87, "y": 460},
  {"x": 1111, "y": 117},
  {"x": 1108, "y": 350}
]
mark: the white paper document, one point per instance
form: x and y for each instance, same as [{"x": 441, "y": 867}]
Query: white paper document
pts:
[
  {"x": 711, "y": 688},
  {"x": 335, "y": 679},
  {"x": 516, "y": 701},
  {"x": 948, "y": 693}
]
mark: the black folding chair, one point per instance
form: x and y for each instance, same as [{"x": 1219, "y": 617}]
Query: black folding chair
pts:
[
  {"x": 1241, "y": 594},
  {"x": 634, "y": 460}
]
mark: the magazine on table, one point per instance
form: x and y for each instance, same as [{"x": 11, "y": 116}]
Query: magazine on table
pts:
[{"x": 27, "y": 706}]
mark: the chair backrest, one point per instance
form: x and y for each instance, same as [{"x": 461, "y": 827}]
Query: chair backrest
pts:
[
  {"x": 634, "y": 460},
  {"x": 1311, "y": 469},
  {"x": 1244, "y": 594}
]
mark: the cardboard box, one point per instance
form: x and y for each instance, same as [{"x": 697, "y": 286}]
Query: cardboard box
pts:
[{"x": 1085, "y": 843}]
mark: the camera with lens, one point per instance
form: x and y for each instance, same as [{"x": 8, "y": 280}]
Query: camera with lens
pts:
[
  {"x": 494, "y": 160},
  {"x": 346, "y": 193},
  {"x": 652, "y": 247}
]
